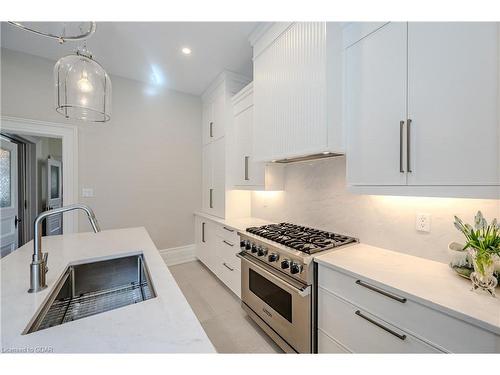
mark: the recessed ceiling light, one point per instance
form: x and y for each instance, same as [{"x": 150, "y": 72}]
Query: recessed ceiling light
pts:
[{"x": 186, "y": 50}]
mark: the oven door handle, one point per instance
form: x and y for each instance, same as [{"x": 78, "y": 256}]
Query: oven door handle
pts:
[{"x": 298, "y": 288}]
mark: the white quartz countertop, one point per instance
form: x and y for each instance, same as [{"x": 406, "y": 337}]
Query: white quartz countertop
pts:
[
  {"x": 239, "y": 224},
  {"x": 165, "y": 324},
  {"x": 425, "y": 281}
]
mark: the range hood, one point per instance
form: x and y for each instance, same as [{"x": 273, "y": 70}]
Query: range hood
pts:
[{"x": 322, "y": 155}]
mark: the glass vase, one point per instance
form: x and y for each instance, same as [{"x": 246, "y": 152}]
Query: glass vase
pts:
[{"x": 482, "y": 277}]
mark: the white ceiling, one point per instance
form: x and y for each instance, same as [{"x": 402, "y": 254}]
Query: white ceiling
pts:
[{"x": 151, "y": 51}]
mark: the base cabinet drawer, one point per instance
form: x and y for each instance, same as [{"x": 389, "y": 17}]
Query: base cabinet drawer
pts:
[
  {"x": 327, "y": 345},
  {"x": 443, "y": 331},
  {"x": 361, "y": 332},
  {"x": 228, "y": 234},
  {"x": 216, "y": 247},
  {"x": 231, "y": 277}
]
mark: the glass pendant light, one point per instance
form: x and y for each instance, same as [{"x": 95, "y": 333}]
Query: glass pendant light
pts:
[
  {"x": 62, "y": 31},
  {"x": 83, "y": 88}
]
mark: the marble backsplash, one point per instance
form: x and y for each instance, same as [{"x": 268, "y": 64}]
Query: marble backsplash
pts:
[{"x": 316, "y": 195}]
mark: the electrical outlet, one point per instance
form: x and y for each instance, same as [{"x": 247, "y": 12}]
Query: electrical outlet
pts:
[{"x": 423, "y": 223}]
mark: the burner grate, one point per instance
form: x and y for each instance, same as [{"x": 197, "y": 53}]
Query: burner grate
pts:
[{"x": 302, "y": 238}]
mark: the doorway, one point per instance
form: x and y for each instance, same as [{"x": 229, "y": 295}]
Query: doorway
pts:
[
  {"x": 31, "y": 177},
  {"x": 68, "y": 134},
  {"x": 9, "y": 205}
]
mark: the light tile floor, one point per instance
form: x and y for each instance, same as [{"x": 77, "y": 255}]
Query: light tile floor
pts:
[{"x": 219, "y": 311}]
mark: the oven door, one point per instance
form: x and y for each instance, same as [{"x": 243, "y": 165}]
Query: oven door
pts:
[{"x": 283, "y": 303}]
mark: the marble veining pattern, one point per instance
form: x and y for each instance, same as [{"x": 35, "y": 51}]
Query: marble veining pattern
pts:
[{"x": 316, "y": 195}]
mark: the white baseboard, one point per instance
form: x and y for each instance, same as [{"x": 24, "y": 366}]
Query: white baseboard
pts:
[{"x": 179, "y": 255}]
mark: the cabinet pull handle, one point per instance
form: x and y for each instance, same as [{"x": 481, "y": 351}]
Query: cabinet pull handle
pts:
[
  {"x": 211, "y": 129},
  {"x": 246, "y": 168},
  {"x": 399, "y": 336},
  {"x": 381, "y": 291},
  {"x": 401, "y": 125},
  {"x": 211, "y": 198},
  {"x": 228, "y": 229},
  {"x": 229, "y": 268},
  {"x": 408, "y": 145},
  {"x": 202, "y": 232},
  {"x": 228, "y": 243}
]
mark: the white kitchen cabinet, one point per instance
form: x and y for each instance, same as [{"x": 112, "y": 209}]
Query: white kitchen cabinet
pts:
[
  {"x": 216, "y": 248},
  {"x": 213, "y": 126},
  {"x": 219, "y": 178},
  {"x": 205, "y": 242},
  {"x": 206, "y": 178},
  {"x": 453, "y": 103},
  {"x": 421, "y": 109},
  {"x": 228, "y": 264},
  {"x": 376, "y": 104},
  {"x": 216, "y": 124},
  {"x": 359, "y": 331},
  {"x": 365, "y": 316},
  {"x": 207, "y": 122},
  {"x": 213, "y": 178},
  {"x": 247, "y": 173},
  {"x": 297, "y": 91}
]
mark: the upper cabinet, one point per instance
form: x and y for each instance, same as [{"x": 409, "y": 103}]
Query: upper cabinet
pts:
[
  {"x": 376, "y": 107},
  {"x": 297, "y": 90},
  {"x": 422, "y": 108},
  {"x": 248, "y": 173},
  {"x": 213, "y": 115}
]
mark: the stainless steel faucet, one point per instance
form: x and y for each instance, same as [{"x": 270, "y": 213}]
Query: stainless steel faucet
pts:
[{"x": 38, "y": 267}]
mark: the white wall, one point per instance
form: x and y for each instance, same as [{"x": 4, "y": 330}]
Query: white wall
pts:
[
  {"x": 316, "y": 195},
  {"x": 144, "y": 165}
]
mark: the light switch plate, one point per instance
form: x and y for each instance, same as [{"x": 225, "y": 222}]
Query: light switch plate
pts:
[
  {"x": 87, "y": 192},
  {"x": 423, "y": 223}
]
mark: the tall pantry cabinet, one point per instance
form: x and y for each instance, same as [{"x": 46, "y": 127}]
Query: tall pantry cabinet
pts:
[{"x": 217, "y": 130}]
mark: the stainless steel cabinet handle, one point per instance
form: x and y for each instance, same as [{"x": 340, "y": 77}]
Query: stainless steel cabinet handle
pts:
[
  {"x": 246, "y": 168},
  {"x": 211, "y": 198},
  {"x": 401, "y": 125},
  {"x": 202, "y": 232},
  {"x": 228, "y": 243},
  {"x": 381, "y": 291},
  {"x": 229, "y": 268},
  {"x": 399, "y": 336},
  {"x": 228, "y": 229},
  {"x": 408, "y": 143},
  {"x": 211, "y": 129}
]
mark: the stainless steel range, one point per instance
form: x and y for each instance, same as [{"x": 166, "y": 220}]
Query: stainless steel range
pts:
[{"x": 277, "y": 277}]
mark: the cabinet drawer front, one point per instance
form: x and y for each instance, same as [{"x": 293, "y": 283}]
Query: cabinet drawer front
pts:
[
  {"x": 226, "y": 252},
  {"x": 361, "y": 332},
  {"x": 328, "y": 345},
  {"x": 442, "y": 330},
  {"x": 231, "y": 278},
  {"x": 229, "y": 234}
]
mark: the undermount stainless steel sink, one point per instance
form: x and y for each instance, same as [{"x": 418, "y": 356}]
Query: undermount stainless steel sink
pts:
[{"x": 92, "y": 288}]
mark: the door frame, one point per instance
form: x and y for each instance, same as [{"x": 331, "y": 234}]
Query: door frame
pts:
[{"x": 69, "y": 136}]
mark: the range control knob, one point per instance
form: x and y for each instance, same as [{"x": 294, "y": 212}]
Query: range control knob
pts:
[
  {"x": 261, "y": 251},
  {"x": 285, "y": 264},
  {"x": 248, "y": 246},
  {"x": 254, "y": 248},
  {"x": 273, "y": 257},
  {"x": 243, "y": 244},
  {"x": 295, "y": 268}
]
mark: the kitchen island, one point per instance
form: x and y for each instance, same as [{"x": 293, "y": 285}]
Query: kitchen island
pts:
[{"x": 164, "y": 324}]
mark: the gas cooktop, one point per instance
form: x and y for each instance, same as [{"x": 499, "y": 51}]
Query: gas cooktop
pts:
[{"x": 305, "y": 239}]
